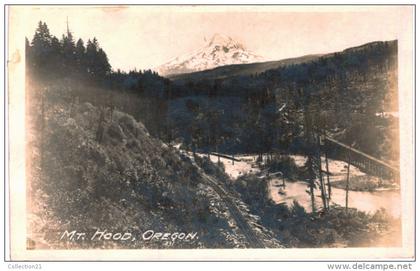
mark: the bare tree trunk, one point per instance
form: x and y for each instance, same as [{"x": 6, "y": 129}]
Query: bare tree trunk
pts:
[
  {"x": 208, "y": 144},
  {"x": 100, "y": 131},
  {"x": 347, "y": 182},
  {"x": 328, "y": 172},
  {"x": 321, "y": 179},
  {"x": 310, "y": 163},
  {"x": 312, "y": 184},
  {"x": 42, "y": 129},
  {"x": 312, "y": 196},
  {"x": 322, "y": 185}
]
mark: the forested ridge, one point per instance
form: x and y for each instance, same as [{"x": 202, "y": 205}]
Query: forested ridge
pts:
[
  {"x": 346, "y": 90},
  {"x": 102, "y": 145},
  {"x": 343, "y": 91}
]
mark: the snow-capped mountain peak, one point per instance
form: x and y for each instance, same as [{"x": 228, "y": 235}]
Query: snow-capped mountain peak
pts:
[
  {"x": 223, "y": 40},
  {"x": 220, "y": 50}
]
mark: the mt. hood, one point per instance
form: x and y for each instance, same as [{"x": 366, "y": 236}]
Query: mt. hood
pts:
[{"x": 221, "y": 50}]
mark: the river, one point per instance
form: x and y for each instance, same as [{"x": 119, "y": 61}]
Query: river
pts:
[
  {"x": 361, "y": 200},
  {"x": 365, "y": 201}
]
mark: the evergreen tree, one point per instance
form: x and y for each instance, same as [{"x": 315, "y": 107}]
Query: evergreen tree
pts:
[
  {"x": 55, "y": 59},
  {"x": 46, "y": 55},
  {"x": 96, "y": 60},
  {"x": 41, "y": 47},
  {"x": 102, "y": 65},
  {"x": 69, "y": 52},
  {"x": 80, "y": 56}
]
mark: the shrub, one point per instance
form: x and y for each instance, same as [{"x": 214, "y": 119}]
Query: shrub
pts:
[
  {"x": 253, "y": 190},
  {"x": 286, "y": 165},
  {"x": 210, "y": 168}
]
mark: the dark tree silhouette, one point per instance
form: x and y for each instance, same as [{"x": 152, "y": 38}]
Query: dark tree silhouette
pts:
[{"x": 48, "y": 56}]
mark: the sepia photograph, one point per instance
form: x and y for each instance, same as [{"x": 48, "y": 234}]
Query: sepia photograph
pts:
[{"x": 210, "y": 132}]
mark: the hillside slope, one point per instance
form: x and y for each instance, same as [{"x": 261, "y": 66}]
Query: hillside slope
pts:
[
  {"x": 92, "y": 171},
  {"x": 241, "y": 69},
  {"x": 349, "y": 91},
  {"x": 233, "y": 70}
]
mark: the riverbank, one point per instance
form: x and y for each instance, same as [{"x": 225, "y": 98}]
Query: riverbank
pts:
[
  {"x": 358, "y": 180},
  {"x": 296, "y": 226},
  {"x": 365, "y": 183},
  {"x": 365, "y": 201},
  {"x": 367, "y": 193},
  {"x": 372, "y": 218}
]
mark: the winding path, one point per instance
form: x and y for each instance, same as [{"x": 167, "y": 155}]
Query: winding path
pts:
[{"x": 241, "y": 222}]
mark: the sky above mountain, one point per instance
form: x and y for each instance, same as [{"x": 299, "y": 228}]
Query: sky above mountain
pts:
[{"x": 144, "y": 37}]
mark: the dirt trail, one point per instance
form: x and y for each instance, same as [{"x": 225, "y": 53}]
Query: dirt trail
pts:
[{"x": 241, "y": 222}]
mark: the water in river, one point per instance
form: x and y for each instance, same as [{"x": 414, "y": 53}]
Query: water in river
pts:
[
  {"x": 390, "y": 200},
  {"x": 365, "y": 201}
]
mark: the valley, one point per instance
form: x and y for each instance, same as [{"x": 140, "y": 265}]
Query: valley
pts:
[{"x": 243, "y": 153}]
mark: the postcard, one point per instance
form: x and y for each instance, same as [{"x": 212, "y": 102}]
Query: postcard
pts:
[{"x": 216, "y": 132}]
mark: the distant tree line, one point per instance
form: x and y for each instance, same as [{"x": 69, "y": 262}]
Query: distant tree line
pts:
[
  {"x": 76, "y": 64},
  {"x": 344, "y": 91},
  {"x": 48, "y": 56}
]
